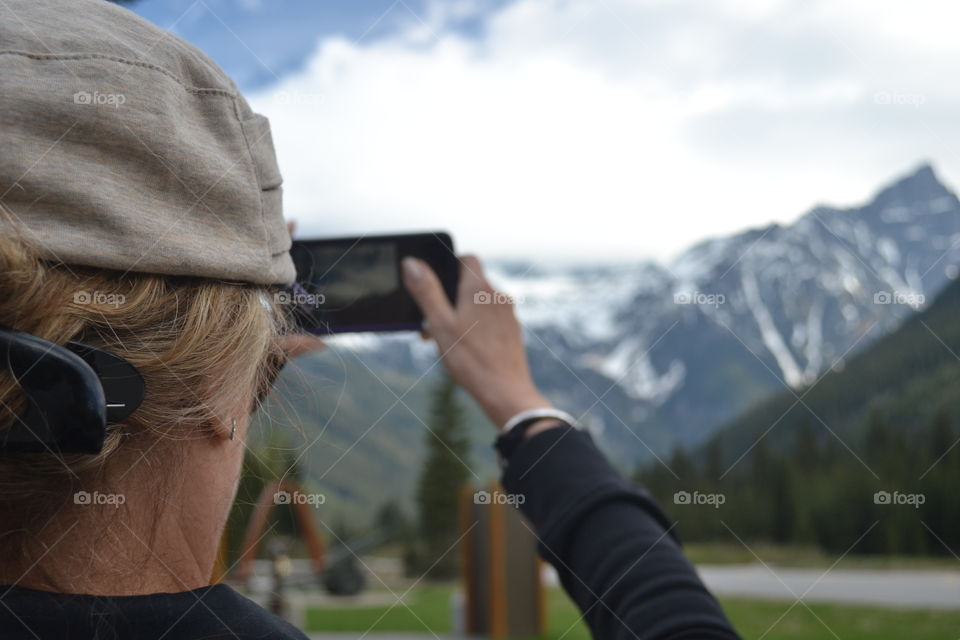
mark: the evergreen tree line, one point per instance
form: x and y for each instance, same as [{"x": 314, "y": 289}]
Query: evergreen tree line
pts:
[{"x": 897, "y": 490}]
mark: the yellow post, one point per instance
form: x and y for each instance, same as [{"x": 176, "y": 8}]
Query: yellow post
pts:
[{"x": 498, "y": 569}]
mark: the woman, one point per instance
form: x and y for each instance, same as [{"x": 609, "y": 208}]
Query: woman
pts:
[{"x": 142, "y": 218}]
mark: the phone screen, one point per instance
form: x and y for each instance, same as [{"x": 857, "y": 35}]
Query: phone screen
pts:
[{"x": 355, "y": 284}]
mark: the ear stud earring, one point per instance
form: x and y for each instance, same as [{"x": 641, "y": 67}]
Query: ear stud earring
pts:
[{"x": 233, "y": 430}]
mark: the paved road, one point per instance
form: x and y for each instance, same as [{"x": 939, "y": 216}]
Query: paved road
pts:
[{"x": 907, "y": 589}]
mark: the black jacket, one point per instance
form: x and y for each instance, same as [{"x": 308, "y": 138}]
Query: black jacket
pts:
[
  {"x": 614, "y": 549},
  {"x": 210, "y": 612}
]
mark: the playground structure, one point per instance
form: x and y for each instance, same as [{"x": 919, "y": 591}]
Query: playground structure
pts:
[
  {"x": 501, "y": 571},
  {"x": 337, "y": 570},
  {"x": 256, "y": 527}
]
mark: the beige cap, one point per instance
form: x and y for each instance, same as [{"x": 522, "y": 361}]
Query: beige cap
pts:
[{"x": 124, "y": 147}]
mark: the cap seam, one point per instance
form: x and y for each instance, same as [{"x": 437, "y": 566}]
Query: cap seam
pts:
[
  {"x": 135, "y": 63},
  {"x": 257, "y": 173}
]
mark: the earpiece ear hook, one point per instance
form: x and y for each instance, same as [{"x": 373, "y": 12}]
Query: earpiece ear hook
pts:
[{"x": 72, "y": 393}]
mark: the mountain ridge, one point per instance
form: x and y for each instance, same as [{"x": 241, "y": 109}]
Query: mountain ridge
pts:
[{"x": 652, "y": 357}]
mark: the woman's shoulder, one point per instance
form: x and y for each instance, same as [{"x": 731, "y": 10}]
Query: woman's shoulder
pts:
[{"x": 214, "y": 611}]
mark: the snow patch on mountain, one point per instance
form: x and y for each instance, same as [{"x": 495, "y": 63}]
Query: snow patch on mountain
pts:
[
  {"x": 768, "y": 331},
  {"x": 629, "y": 366},
  {"x": 647, "y": 338}
]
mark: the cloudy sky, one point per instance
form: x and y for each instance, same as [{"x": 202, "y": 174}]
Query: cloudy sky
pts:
[{"x": 588, "y": 129}]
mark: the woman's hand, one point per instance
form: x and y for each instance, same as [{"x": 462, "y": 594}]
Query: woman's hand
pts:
[
  {"x": 298, "y": 344},
  {"x": 480, "y": 340}
]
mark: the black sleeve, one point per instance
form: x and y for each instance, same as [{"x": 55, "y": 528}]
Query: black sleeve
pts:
[{"x": 615, "y": 550}]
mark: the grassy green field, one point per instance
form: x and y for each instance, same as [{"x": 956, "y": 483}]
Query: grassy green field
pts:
[{"x": 428, "y": 609}]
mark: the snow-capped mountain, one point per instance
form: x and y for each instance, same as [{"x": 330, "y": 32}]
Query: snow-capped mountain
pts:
[{"x": 652, "y": 355}]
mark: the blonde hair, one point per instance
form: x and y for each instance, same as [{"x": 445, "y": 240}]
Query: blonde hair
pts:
[{"x": 203, "y": 347}]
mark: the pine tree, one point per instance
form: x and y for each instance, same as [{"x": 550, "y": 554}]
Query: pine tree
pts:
[
  {"x": 806, "y": 447},
  {"x": 391, "y": 523},
  {"x": 444, "y": 473},
  {"x": 783, "y": 502},
  {"x": 714, "y": 465},
  {"x": 877, "y": 440},
  {"x": 941, "y": 437}
]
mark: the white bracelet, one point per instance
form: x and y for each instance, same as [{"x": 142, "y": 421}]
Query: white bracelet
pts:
[{"x": 546, "y": 412}]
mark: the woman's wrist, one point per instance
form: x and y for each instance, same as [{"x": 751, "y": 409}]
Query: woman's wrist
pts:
[
  {"x": 503, "y": 407},
  {"x": 542, "y": 425}
]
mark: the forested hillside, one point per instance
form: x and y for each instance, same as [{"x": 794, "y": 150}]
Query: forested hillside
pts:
[{"x": 807, "y": 465}]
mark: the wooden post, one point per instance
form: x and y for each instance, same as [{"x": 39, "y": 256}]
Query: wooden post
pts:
[
  {"x": 258, "y": 523},
  {"x": 501, "y": 569}
]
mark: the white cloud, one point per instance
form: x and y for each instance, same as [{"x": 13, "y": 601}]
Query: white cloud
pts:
[{"x": 614, "y": 129}]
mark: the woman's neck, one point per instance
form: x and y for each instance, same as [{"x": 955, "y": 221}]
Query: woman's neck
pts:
[{"x": 154, "y": 531}]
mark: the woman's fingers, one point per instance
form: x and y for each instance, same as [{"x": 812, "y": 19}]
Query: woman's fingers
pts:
[
  {"x": 480, "y": 340},
  {"x": 428, "y": 293},
  {"x": 472, "y": 280}
]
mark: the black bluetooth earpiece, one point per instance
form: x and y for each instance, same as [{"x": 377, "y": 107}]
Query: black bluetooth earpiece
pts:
[{"x": 73, "y": 392}]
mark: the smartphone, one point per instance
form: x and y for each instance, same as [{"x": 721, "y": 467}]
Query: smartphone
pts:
[{"x": 355, "y": 284}]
